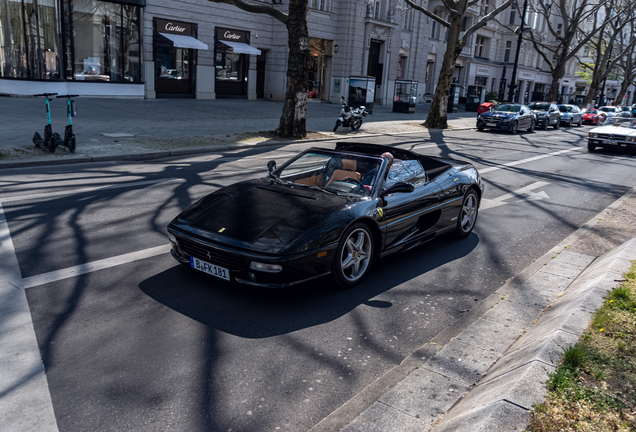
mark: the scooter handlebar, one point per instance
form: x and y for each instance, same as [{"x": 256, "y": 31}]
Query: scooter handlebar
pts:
[
  {"x": 45, "y": 94},
  {"x": 66, "y": 96}
]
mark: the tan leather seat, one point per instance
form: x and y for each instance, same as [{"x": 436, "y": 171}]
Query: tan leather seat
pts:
[
  {"x": 311, "y": 181},
  {"x": 348, "y": 171}
]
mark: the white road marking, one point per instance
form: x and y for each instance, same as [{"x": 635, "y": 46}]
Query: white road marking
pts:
[
  {"x": 535, "y": 196},
  {"x": 90, "y": 267},
  {"x": 496, "y": 202},
  {"x": 25, "y": 401},
  {"x": 532, "y": 159},
  {"x": 87, "y": 189}
]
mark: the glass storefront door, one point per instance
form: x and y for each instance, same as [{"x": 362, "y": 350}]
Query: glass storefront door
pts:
[{"x": 174, "y": 71}]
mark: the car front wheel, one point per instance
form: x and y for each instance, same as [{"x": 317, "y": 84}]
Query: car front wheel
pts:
[
  {"x": 531, "y": 128},
  {"x": 353, "y": 256},
  {"x": 467, "y": 214},
  {"x": 591, "y": 147},
  {"x": 513, "y": 127}
]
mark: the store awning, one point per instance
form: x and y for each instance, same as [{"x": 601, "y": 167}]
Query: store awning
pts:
[
  {"x": 241, "y": 48},
  {"x": 185, "y": 41}
]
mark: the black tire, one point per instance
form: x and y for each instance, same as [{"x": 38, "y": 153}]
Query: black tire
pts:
[
  {"x": 591, "y": 148},
  {"x": 356, "y": 125},
  {"x": 514, "y": 127},
  {"x": 545, "y": 124},
  {"x": 531, "y": 128},
  {"x": 36, "y": 139},
  {"x": 480, "y": 129},
  {"x": 558, "y": 124},
  {"x": 338, "y": 123},
  {"x": 49, "y": 143},
  {"x": 580, "y": 122},
  {"x": 354, "y": 256},
  {"x": 71, "y": 144},
  {"x": 571, "y": 122},
  {"x": 467, "y": 217}
]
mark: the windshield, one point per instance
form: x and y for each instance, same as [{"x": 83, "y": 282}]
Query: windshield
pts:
[
  {"x": 539, "y": 106},
  {"x": 606, "y": 109},
  {"x": 565, "y": 108},
  {"x": 335, "y": 173},
  {"x": 621, "y": 122},
  {"x": 591, "y": 111},
  {"x": 508, "y": 108}
]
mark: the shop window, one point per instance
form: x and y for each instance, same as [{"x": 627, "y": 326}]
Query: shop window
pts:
[
  {"x": 106, "y": 42},
  {"x": 29, "y": 42}
]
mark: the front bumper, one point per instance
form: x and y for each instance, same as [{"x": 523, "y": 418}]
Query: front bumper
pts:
[
  {"x": 297, "y": 268},
  {"x": 484, "y": 123},
  {"x": 612, "y": 144}
]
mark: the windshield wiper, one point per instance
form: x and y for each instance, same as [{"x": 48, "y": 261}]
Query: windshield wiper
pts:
[
  {"x": 316, "y": 188},
  {"x": 276, "y": 179}
]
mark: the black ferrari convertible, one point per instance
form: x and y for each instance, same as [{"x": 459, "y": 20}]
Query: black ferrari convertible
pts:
[{"x": 326, "y": 212}]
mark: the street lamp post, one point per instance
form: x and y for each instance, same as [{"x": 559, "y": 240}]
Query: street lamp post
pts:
[
  {"x": 513, "y": 80},
  {"x": 600, "y": 102}
]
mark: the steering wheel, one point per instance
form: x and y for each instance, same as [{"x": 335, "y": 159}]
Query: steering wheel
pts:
[{"x": 357, "y": 182}]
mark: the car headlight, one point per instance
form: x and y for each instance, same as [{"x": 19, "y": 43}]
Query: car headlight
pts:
[
  {"x": 267, "y": 268},
  {"x": 172, "y": 238},
  {"x": 631, "y": 139},
  {"x": 592, "y": 135}
]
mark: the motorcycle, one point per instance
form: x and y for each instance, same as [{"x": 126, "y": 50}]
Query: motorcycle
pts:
[{"x": 350, "y": 117}]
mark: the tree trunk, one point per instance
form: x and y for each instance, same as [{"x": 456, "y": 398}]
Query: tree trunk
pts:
[
  {"x": 437, "y": 117},
  {"x": 293, "y": 120},
  {"x": 621, "y": 94},
  {"x": 591, "y": 93},
  {"x": 557, "y": 74}
]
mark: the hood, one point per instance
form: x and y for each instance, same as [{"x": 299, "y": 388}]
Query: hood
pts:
[
  {"x": 613, "y": 130},
  {"x": 260, "y": 213},
  {"x": 499, "y": 114},
  {"x": 540, "y": 113}
]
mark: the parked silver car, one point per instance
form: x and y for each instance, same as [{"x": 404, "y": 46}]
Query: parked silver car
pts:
[
  {"x": 571, "y": 115},
  {"x": 627, "y": 111},
  {"x": 611, "y": 111}
]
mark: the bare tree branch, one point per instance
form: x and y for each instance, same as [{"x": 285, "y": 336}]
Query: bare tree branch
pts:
[{"x": 428, "y": 14}]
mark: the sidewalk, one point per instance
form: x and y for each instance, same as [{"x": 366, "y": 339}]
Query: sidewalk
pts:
[{"x": 123, "y": 128}]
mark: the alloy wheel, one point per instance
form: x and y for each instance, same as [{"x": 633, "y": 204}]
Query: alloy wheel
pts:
[{"x": 356, "y": 255}]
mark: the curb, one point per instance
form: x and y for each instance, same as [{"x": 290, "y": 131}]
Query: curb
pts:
[
  {"x": 190, "y": 152},
  {"x": 431, "y": 384}
]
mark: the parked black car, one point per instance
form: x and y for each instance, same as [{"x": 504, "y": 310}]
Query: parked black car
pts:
[
  {"x": 547, "y": 114},
  {"x": 508, "y": 117},
  {"x": 326, "y": 211}
]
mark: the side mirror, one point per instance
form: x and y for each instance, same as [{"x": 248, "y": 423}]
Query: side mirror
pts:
[
  {"x": 399, "y": 187},
  {"x": 271, "y": 166},
  {"x": 342, "y": 97}
]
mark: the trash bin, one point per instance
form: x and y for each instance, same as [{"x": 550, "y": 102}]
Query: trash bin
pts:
[
  {"x": 405, "y": 96},
  {"x": 362, "y": 92}
]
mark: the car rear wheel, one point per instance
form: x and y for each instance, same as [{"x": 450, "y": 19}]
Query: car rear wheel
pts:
[
  {"x": 353, "y": 256},
  {"x": 513, "y": 127},
  {"x": 467, "y": 214}
]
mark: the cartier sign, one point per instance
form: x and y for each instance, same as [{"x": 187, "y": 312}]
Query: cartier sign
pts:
[
  {"x": 231, "y": 35},
  {"x": 174, "y": 27}
]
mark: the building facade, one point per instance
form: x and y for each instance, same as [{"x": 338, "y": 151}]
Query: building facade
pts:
[{"x": 205, "y": 50}]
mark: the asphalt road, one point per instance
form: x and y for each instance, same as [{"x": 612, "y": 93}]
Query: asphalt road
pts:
[{"x": 151, "y": 345}]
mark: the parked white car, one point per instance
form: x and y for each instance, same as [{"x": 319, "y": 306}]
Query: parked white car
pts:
[
  {"x": 616, "y": 132},
  {"x": 611, "y": 111}
]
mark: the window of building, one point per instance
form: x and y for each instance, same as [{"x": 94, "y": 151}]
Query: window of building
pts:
[
  {"x": 408, "y": 20},
  {"x": 107, "y": 44},
  {"x": 507, "y": 51},
  {"x": 513, "y": 13},
  {"x": 586, "y": 51},
  {"x": 558, "y": 31},
  {"x": 485, "y": 7},
  {"x": 318, "y": 4},
  {"x": 481, "y": 48},
  {"x": 376, "y": 9},
  {"x": 29, "y": 42},
  {"x": 401, "y": 68}
]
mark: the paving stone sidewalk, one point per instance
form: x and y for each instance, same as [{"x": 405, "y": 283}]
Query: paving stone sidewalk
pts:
[{"x": 116, "y": 128}]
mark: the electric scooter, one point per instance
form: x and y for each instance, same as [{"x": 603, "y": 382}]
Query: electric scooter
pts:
[
  {"x": 69, "y": 136},
  {"x": 49, "y": 139}
]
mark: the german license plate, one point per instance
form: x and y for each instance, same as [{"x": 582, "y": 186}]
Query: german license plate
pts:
[
  {"x": 608, "y": 142},
  {"x": 210, "y": 269},
  {"x": 491, "y": 124}
]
